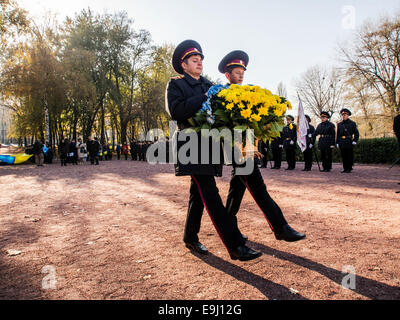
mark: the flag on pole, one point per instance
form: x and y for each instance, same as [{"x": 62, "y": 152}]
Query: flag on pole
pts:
[{"x": 302, "y": 128}]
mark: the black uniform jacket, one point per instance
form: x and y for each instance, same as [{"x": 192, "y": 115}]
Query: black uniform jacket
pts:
[
  {"x": 326, "y": 131},
  {"x": 262, "y": 146},
  {"x": 93, "y": 147},
  {"x": 347, "y": 133},
  {"x": 310, "y": 136},
  {"x": 396, "y": 127},
  {"x": 276, "y": 142},
  {"x": 288, "y": 136},
  {"x": 185, "y": 97}
]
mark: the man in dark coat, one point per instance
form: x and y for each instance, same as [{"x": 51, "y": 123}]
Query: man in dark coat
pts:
[
  {"x": 38, "y": 152},
  {"x": 277, "y": 148},
  {"x": 48, "y": 155},
  {"x": 347, "y": 138},
  {"x": 289, "y": 136},
  {"x": 310, "y": 141},
  {"x": 396, "y": 128},
  {"x": 63, "y": 149},
  {"x": 234, "y": 66},
  {"x": 326, "y": 131},
  {"x": 134, "y": 150},
  {"x": 185, "y": 96},
  {"x": 93, "y": 147}
]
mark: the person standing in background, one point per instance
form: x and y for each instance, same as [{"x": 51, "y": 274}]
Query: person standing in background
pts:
[
  {"x": 310, "y": 142},
  {"x": 290, "y": 142},
  {"x": 326, "y": 131},
  {"x": 347, "y": 138}
]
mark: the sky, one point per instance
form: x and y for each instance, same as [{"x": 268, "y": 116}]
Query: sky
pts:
[{"x": 283, "y": 38}]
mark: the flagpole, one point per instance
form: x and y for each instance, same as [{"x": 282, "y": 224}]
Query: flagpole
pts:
[{"x": 298, "y": 122}]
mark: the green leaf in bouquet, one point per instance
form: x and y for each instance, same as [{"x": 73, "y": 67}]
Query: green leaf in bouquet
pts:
[
  {"x": 219, "y": 112},
  {"x": 192, "y": 130},
  {"x": 257, "y": 131},
  {"x": 191, "y": 122},
  {"x": 242, "y": 128},
  {"x": 275, "y": 127},
  {"x": 200, "y": 118}
]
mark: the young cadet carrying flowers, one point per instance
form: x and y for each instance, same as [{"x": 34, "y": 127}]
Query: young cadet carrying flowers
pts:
[
  {"x": 185, "y": 97},
  {"x": 234, "y": 66}
]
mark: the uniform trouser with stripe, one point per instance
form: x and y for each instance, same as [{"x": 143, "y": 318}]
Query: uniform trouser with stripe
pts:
[
  {"x": 348, "y": 158},
  {"x": 264, "y": 160},
  {"x": 256, "y": 186},
  {"x": 291, "y": 157},
  {"x": 326, "y": 158},
  {"x": 308, "y": 158},
  {"x": 204, "y": 194},
  {"x": 277, "y": 157}
]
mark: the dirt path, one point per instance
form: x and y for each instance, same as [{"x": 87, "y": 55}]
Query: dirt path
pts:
[{"x": 114, "y": 231}]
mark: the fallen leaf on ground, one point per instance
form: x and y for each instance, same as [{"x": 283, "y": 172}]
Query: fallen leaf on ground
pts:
[{"x": 13, "y": 253}]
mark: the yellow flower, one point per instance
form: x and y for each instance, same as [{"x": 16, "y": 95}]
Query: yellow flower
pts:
[
  {"x": 256, "y": 117},
  {"x": 246, "y": 113},
  {"x": 241, "y": 106},
  {"x": 263, "y": 111},
  {"x": 230, "y": 106}
]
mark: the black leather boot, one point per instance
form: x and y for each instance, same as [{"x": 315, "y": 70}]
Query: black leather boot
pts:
[
  {"x": 243, "y": 253},
  {"x": 288, "y": 234}
]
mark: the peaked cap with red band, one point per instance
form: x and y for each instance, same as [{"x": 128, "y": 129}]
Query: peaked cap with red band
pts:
[
  {"x": 234, "y": 59},
  {"x": 183, "y": 51}
]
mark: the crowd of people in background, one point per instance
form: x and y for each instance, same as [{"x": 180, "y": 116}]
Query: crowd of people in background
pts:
[
  {"x": 344, "y": 137},
  {"x": 79, "y": 152}
]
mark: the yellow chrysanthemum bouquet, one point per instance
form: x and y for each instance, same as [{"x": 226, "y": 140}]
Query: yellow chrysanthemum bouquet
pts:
[{"x": 244, "y": 107}]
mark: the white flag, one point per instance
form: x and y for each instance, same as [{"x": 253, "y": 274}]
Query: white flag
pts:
[{"x": 302, "y": 128}]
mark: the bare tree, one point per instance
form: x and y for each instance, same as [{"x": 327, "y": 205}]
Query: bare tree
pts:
[
  {"x": 374, "y": 55},
  {"x": 363, "y": 99},
  {"x": 321, "y": 90}
]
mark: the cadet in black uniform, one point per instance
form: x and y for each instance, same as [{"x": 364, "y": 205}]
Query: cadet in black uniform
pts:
[
  {"x": 185, "y": 97},
  {"x": 233, "y": 66},
  {"x": 347, "y": 138},
  {"x": 396, "y": 128},
  {"x": 289, "y": 136},
  {"x": 263, "y": 148},
  {"x": 310, "y": 141},
  {"x": 326, "y": 131},
  {"x": 277, "y": 148}
]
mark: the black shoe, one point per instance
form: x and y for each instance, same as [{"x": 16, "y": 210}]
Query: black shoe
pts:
[
  {"x": 289, "y": 235},
  {"x": 243, "y": 253},
  {"x": 197, "y": 247}
]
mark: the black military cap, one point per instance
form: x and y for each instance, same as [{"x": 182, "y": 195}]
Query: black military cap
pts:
[
  {"x": 183, "y": 51},
  {"x": 236, "y": 58},
  {"x": 324, "y": 113},
  {"x": 290, "y": 117},
  {"x": 308, "y": 118},
  {"x": 345, "y": 110}
]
